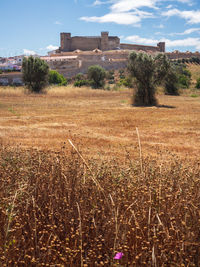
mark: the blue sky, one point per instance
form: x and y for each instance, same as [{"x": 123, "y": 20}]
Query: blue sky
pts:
[{"x": 34, "y": 26}]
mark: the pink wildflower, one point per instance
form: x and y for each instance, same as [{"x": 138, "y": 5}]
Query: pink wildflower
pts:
[{"x": 118, "y": 256}]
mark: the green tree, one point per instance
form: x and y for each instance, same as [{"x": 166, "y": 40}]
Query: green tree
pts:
[
  {"x": 79, "y": 76},
  {"x": 184, "y": 81},
  {"x": 97, "y": 75},
  {"x": 148, "y": 72},
  {"x": 56, "y": 78},
  {"x": 198, "y": 83},
  {"x": 35, "y": 73},
  {"x": 171, "y": 82},
  {"x": 183, "y": 74}
]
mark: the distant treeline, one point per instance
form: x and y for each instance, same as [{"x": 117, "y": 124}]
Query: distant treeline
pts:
[{"x": 194, "y": 60}]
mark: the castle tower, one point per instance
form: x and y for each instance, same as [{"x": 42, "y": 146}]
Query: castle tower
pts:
[
  {"x": 161, "y": 46},
  {"x": 65, "y": 41},
  {"x": 104, "y": 41}
]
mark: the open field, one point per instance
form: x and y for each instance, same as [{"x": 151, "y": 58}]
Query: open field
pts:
[
  {"x": 195, "y": 70},
  {"x": 101, "y": 121},
  {"x": 59, "y": 209}
]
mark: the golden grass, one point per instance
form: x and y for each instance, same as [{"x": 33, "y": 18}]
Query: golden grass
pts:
[
  {"x": 12, "y": 91},
  {"x": 195, "y": 70},
  {"x": 102, "y": 121},
  {"x": 64, "y": 90},
  {"x": 128, "y": 182}
]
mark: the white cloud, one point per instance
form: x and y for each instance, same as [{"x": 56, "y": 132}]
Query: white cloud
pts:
[
  {"x": 187, "y": 42},
  {"x": 131, "y": 12},
  {"x": 185, "y": 1},
  {"x": 160, "y": 26},
  {"x": 28, "y": 52},
  {"x": 186, "y": 32},
  {"x": 127, "y": 5},
  {"x": 118, "y": 18},
  {"x": 192, "y": 16},
  {"x": 139, "y": 40},
  {"x": 51, "y": 47},
  {"x": 98, "y": 3},
  {"x": 169, "y": 6},
  {"x": 189, "y": 31},
  {"x": 57, "y": 23},
  {"x": 124, "y": 18},
  {"x": 123, "y": 12}
]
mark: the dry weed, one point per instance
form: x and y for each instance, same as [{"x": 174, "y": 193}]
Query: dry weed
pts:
[{"x": 52, "y": 213}]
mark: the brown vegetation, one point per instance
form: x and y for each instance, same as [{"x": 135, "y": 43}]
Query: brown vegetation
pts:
[
  {"x": 103, "y": 121},
  {"x": 58, "y": 209}
]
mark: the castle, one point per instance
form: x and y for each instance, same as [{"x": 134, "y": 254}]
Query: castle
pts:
[
  {"x": 77, "y": 53},
  {"x": 103, "y": 43}
]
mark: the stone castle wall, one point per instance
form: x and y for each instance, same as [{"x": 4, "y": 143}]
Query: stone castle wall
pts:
[
  {"x": 13, "y": 78},
  {"x": 69, "y": 64},
  {"x": 84, "y": 43},
  {"x": 111, "y": 54},
  {"x": 181, "y": 55},
  {"x": 140, "y": 47},
  {"x": 103, "y": 42}
]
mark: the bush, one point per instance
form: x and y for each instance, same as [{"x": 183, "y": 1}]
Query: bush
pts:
[
  {"x": 56, "y": 78},
  {"x": 110, "y": 75},
  {"x": 107, "y": 88},
  {"x": 187, "y": 73},
  {"x": 35, "y": 73},
  {"x": 116, "y": 87},
  {"x": 183, "y": 74},
  {"x": 195, "y": 60},
  {"x": 184, "y": 81},
  {"x": 80, "y": 83},
  {"x": 79, "y": 76},
  {"x": 148, "y": 72},
  {"x": 198, "y": 83},
  {"x": 171, "y": 83},
  {"x": 121, "y": 74},
  {"x": 97, "y": 75},
  {"x": 8, "y": 70},
  {"x": 111, "y": 82},
  {"x": 127, "y": 82}
]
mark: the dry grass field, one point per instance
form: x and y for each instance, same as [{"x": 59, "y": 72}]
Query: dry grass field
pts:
[
  {"x": 58, "y": 208},
  {"x": 195, "y": 70},
  {"x": 101, "y": 121}
]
